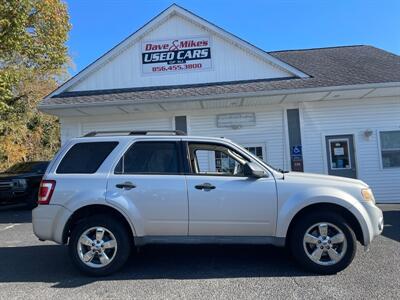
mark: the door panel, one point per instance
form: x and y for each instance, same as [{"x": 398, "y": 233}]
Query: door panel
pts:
[
  {"x": 158, "y": 203},
  {"x": 148, "y": 182},
  {"x": 341, "y": 156},
  {"x": 222, "y": 200},
  {"x": 237, "y": 206}
]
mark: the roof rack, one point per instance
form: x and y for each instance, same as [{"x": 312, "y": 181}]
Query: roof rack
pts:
[{"x": 135, "y": 132}]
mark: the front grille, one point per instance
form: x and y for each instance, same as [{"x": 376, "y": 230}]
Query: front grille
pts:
[{"x": 5, "y": 185}]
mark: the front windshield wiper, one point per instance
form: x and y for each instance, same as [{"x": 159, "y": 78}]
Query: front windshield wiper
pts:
[{"x": 282, "y": 171}]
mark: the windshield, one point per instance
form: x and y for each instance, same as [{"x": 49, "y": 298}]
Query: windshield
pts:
[{"x": 29, "y": 167}]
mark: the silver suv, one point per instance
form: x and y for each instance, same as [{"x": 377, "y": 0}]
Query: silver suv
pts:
[{"x": 107, "y": 192}]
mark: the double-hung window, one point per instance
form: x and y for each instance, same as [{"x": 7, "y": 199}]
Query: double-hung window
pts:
[
  {"x": 256, "y": 150},
  {"x": 390, "y": 148}
]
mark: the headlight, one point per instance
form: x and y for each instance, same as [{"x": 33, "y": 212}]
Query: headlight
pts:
[
  {"x": 20, "y": 184},
  {"x": 368, "y": 195}
]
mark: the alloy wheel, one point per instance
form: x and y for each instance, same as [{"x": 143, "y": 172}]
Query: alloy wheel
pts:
[
  {"x": 325, "y": 243},
  {"x": 97, "y": 247}
]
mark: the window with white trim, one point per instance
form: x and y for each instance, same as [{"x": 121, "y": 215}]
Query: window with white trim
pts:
[
  {"x": 390, "y": 148},
  {"x": 257, "y": 151}
]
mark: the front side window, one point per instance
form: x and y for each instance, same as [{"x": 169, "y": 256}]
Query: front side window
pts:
[
  {"x": 150, "y": 158},
  {"x": 390, "y": 148},
  {"x": 214, "y": 159},
  {"x": 85, "y": 158}
]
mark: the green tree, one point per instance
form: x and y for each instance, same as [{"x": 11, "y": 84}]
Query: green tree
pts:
[{"x": 33, "y": 59}]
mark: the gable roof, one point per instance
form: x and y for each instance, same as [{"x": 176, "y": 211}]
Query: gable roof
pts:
[
  {"x": 344, "y": 65},
  {"x": 327, "y": 67},
  {"x": 172, "y": 10}
]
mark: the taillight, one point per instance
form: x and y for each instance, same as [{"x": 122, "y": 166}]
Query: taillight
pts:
[{"x": 46, "y": 190}]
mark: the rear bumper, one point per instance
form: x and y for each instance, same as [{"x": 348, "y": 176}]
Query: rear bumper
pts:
[{"x": 48, "y": 222}]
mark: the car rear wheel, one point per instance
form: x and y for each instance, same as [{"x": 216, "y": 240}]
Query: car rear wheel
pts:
[
  {"x": 99, "y": 245},
  {"x": 323, "y": 242}
]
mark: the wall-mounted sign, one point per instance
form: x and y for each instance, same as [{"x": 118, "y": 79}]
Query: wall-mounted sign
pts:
[
  {"x": 176, "y": 55},
  {"x": 296, "y": 159},
  {"x": 237, "y": 120},
  {"x": 297, "y": 163},
  {"x": 296, "y": 150},
  {"x": 338, "y": 151}
]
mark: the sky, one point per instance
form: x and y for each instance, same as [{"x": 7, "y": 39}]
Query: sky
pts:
[{"x": 98, "y": 25}]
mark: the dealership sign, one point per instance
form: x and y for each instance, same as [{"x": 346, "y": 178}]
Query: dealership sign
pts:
[{"x": 176, "y": 55}]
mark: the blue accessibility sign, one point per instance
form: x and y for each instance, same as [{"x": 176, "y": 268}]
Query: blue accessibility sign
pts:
[{"x": 296, "y": 150}]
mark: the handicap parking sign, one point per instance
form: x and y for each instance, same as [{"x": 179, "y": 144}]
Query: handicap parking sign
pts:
[{"x": 296, "y": 150}]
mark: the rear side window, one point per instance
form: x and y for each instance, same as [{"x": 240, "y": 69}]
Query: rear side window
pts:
[
  {"x": 85, "y": 158},
  {"x": 150, "y": 158}
]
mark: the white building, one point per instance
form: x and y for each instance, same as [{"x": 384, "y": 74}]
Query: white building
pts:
[{"x": 330, "y": 110}]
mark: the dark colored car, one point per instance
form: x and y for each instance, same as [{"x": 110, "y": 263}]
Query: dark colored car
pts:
[{"x": 19, "y": 184}]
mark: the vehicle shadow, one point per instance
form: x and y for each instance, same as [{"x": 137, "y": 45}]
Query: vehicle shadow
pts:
[
  {"x": 50, "y": 263},
  {"x": 11, "y": 215}
]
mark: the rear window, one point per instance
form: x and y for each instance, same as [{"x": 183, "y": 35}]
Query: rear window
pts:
[
  {"x": 85, "y": 158},
  {"x": 150, "y": 158}
]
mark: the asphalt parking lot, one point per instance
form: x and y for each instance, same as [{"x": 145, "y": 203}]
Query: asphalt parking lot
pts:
[{"x": 33, "y": 269}]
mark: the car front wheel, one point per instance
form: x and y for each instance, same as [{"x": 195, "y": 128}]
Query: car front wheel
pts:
[
  {"x": 323, "y": 242},
  {"x": 99, "y": 245}
]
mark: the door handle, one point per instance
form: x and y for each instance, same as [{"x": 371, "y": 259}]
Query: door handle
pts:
[
  {"x": 126, "y": 185},
  {"x": 205, "y": 186}
]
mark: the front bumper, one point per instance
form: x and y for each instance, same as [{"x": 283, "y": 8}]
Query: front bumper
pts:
[
  {"x": 375, "y": 218},
  {"x": 49, "y": 221},
  {"x": 13, "y": 197}
]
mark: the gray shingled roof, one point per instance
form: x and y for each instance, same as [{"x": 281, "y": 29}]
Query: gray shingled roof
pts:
[{"x": 336, "y": 66}]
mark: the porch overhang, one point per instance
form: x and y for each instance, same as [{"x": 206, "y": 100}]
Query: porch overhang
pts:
[{"x": 221, "y": 100}]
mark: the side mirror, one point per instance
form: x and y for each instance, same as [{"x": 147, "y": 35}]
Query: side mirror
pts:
[{"x": 251, "y": 169}]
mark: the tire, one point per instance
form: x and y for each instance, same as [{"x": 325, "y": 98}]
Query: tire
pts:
[
  {"x": 302, "y": 247},
  {"x": 112, "y": 230}
]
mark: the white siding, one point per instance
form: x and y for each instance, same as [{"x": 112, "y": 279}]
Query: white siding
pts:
[
  {"x": 229, "y": 63},
  {"x": 268, "y": 132},
  {"x": 71, "y": 128},
  {"x": 134, "y": 124},
  {"x": 206, "y": 161},
  {"x": 353, "y": 117}
]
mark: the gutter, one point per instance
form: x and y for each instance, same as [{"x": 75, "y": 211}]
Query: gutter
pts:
[{"x": 42, "y": 107}]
